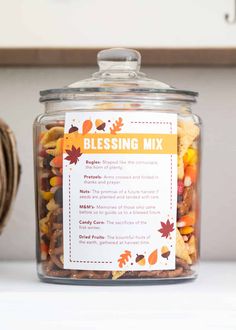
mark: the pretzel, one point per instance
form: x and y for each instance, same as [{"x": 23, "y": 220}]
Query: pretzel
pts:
[
  {"x": 56, "y": 248},
  {"x": 83, "y": 274},
  {"x": 183, "y": 264},
  {"x": 182, "y": 269},
  {"x": 161, "y": 273},
  {"x": 51, "y": 270},
  {"x": 55, "y": 220}
]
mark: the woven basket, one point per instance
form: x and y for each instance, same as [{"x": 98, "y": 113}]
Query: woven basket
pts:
[{"x": 9, "y": 172}]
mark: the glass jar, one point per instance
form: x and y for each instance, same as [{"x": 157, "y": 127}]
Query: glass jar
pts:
[{"x": 117, "y": 178}]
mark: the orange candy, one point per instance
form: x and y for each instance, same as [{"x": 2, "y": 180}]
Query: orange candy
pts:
[
  {"x": 186, "y": 230},
  {"x": 59, "y": 146},
  {"x": 56, "y": 181},
  {"x": 43, "y": 247},
  {"x": 191, "y": 172},
  {"x": 57, "y": 161},
  {"x": 187, "y": 220},
  {"x": 190, "y": 157},
  {"x": 47, "y": 195}
]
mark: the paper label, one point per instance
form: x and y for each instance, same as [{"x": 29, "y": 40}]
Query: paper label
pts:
[{"x": 120, "y": 190}]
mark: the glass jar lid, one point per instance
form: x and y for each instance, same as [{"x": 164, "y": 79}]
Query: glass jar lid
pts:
[{"x": 118, "y": 78}]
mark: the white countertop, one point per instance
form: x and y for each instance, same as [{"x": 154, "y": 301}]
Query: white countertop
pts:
[{"x": 207, "y": 303}]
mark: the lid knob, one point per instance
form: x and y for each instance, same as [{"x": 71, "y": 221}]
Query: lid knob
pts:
[{"x": 119, "y": 59}]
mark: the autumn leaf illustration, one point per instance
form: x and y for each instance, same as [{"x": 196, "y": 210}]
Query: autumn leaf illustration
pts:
[
  {"x": 152, "y": 259},
  {"x": 117, "y": 126},
  {"x": 166, "y": 228},
  {"x": 87, "y": 126},
  {"x": 124, "y": 257},
  {"x": 73, "y": 155}
]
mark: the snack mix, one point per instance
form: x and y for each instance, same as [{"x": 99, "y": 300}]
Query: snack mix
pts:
[{"x": 50, "y": 195}]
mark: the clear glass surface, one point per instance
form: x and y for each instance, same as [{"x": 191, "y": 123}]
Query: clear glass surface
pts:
[{"x": 117, "y": 86}]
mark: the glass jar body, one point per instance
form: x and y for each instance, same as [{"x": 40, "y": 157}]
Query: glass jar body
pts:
[{"x": 49, "y": 192}]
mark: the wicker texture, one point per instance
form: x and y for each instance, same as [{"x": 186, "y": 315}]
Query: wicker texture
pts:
[{"x": 9, "y": 172}]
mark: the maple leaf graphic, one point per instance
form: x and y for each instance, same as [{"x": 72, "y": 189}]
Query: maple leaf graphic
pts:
[
  {"x": 166, "y": 228},
  {"x": 73, "y": 155}
]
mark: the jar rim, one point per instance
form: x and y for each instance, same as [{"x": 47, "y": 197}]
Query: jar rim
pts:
[{"x": 59, "y": 94}]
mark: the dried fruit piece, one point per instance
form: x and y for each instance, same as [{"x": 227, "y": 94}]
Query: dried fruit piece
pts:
[
  {"x": 180, "y": 187},
  {"x": 42, "y": 153},
  {"x": 45, "y": 184},
  {"x": 152, "y": 259}
]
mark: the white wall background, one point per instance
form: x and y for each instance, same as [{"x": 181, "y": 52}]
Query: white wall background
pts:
[
  {"x": 19, "y": 89},
  {"x": 132, "y": 23}
]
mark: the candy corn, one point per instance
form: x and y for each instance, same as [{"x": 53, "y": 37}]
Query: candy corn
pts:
[
  {"x": 190, "y": 174},
  {"x": 190, "y": 157},
  {"x": 186, "y": 220},
  {"x": 57, "y": 161}
]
